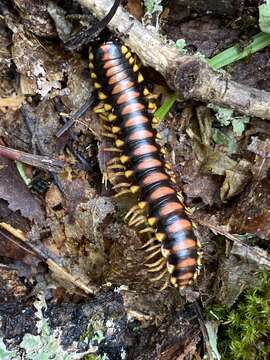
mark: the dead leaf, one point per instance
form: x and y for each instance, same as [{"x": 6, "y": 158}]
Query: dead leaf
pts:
[
  {"x": 235, "y": 180},
  {"x": 135, "y": 8},
  {"x": 252, "y": 212},
  {"x": 238, "y": 272},
  {"x": 16, "y": 193}
]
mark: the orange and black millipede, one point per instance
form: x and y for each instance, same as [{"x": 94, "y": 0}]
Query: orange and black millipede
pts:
[{"x": 139, "y": 158}]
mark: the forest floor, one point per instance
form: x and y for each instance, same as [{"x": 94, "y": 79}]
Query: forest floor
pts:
[{"x": 72, "y": 278}]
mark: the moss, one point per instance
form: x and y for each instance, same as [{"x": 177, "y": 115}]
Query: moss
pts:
[{"x": 244, "y": 334}]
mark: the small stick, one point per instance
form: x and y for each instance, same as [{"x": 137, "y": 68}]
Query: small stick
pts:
[
  {"x": 78, "y": 114},
  {"x": 203, "y": 329},
  {"x": 42, "y": 162}
]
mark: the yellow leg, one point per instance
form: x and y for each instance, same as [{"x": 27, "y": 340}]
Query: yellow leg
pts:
[
  {"x": 152, "y": 255},
  {"x": 121, "y": 193},
  {"x": 159, "y": 277},
  {"x": 131, "y": 211},
  {"x": 157, "y": 268},
  {"x": 156, "y": 263}
]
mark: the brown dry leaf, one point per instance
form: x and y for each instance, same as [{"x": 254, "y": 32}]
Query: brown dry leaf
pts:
[
  {"x": 79, "y": 84},
  {"x": 74, "y": 191},
  {"x": 237, "y": 174},
  {"x": 252, "y": 213},
  {"x": 238, "y": 272},
  {"x": 45, "y": 124},
  {"x": 53, "y": 197},
  {"x": 16, "y": 193},
  {"x": 77, "y": 224},
  {"x": 135, "y": 8},
  {"x": 202, "y": 186},
  {"x": 13, "y": 218},
  {"x": 216, "y": 162},
  {"x": 126, "y": 258},
  {"x": 235, "y": 180}
]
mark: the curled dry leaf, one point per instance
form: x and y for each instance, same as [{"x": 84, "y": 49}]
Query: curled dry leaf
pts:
[
  {"x": 235, "y": 180},
  {"x": 77, "y": 223}
]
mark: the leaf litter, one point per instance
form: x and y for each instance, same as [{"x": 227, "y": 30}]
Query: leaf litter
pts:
[{"x": 221, "y": 160}]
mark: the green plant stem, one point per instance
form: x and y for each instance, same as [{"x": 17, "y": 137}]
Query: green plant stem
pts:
[
  {"x": 234, "y": 53},
  {"x": 165, "y": 107}
]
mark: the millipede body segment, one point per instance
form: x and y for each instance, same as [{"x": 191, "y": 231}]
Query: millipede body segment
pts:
[{"x": 172, "y": 249}]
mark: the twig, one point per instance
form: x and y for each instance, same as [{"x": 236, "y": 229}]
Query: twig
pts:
[
  {"x": 203, "y": 329},
  {"x": 73, "y": 117},
  {"x": 252, "y": 253},
  {"x": 189, "y": 76},
  {"x": 11, "y": 101},
  {"x": 42, "y": 162},
  {"x": 52, "y": 264}
]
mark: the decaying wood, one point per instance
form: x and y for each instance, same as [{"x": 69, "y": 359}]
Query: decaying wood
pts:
[{"x": 189, "y": 76}]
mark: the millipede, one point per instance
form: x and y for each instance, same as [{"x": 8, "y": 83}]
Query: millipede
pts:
[{"x": 140, "y": 167}]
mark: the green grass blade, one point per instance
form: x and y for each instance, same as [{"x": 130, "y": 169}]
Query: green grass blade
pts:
[
  {"x": 264, "y": 17},
  {"x": 234, "y": 53},
  {"x": 165, "y": 108}
]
